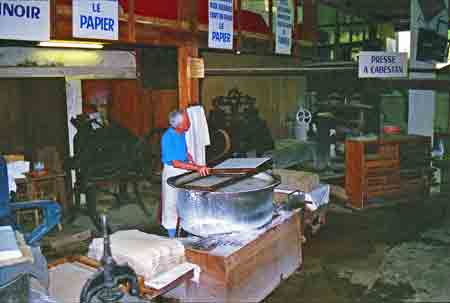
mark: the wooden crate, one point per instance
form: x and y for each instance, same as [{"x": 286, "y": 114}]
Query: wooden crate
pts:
[{"x": 252, "y": 272}]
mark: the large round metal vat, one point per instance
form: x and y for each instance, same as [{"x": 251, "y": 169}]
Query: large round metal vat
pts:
[{"x": 244, "y": 205}]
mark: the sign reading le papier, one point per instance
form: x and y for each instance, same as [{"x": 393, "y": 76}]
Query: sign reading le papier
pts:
[
  {"x": 383, "y": 65},
  {"x": 96, "y": 19},
  {"x": 25, "y": 20},
  {"x": 220, "y": 30}
]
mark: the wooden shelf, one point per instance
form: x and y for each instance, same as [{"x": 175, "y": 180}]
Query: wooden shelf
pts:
[{"x": 398, "y": 167}]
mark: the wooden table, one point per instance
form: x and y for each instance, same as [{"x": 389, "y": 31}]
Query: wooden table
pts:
[{"x": 51, "y": 186}]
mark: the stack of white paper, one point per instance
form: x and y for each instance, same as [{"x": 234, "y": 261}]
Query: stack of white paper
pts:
[{"x": 8, "y": 245}]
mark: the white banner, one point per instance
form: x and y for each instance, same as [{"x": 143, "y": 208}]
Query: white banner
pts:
[
  {"x": 284, "y": 28},
  {"x": 25, "y": 20},
  {"x": 96, "y": 19},
  {"x": 383, "y": 65},
  {"x": 220, "y": 31}
]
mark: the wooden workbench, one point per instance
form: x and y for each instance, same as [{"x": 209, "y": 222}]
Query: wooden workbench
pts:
[{"x": 248, "y": 273}]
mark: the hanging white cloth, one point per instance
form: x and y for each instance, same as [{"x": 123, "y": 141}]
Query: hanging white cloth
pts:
[
  {"x": 169, "y": 197},
  {"x": 197, "y": 137}
]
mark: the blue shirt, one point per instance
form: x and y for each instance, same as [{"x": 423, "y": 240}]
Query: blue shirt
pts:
[{"x": 173, "y": 147}]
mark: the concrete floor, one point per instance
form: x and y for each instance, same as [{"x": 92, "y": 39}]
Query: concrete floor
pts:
[{"x": 394, "y": 254}]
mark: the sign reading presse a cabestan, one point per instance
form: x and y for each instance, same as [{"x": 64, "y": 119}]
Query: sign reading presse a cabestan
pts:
[
  {"x": 25, "y": 20},
  {"x": 220, "y": 30},
  {"x": 96, "y": 19},
  {"x": 284, "y": 28},
  {"x": 383, "y": 65}
]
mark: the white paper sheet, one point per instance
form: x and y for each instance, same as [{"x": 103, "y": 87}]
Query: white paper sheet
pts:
[{"x": 241, "y": 163}]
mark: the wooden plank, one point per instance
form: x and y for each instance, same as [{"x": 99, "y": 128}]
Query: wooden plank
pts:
[
  {"x": 354, "y": 160},
  {"x": 59, "y": 243},
  {"x": 382, "y": 164}
]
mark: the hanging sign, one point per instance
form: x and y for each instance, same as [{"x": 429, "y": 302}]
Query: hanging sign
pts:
[
  {"x": 220, "y": 31},
  {"x": 25, "y": 20},
  {"x": 383, "y": 65},
  {"x": 196, "y": 68},
  {"x": 429, "y": 30},
  {"x": 96, "y": 19},
  {"x": 284, "y": 28}
]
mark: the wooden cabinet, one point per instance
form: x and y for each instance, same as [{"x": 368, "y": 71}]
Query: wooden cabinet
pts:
[{"x": 389, "y": 167}]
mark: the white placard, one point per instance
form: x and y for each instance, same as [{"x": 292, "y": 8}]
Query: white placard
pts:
[
  {"x": 220, "y": 30},
  {"x": 96, "y": 19},
  {"x": 284, "y": 28},
  {"x": 25, "y": 20},
  {"x": 383, "y": 65}
]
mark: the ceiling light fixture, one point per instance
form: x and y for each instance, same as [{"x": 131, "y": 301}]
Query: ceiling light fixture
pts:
[{"x": 71, "y": 44}]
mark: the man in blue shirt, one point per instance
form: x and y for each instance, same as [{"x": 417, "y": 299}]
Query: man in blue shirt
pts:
[{"x": 177, "y": 161}]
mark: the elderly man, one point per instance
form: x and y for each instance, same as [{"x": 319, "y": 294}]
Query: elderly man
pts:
[{"x": 177, "y": 161}]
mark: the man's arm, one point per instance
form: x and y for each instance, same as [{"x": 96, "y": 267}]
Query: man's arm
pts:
[{"x": 202, "y": 170}]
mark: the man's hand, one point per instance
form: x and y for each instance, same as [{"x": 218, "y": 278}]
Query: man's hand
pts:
[
  {"x": 203, "y": 170},
  {"x": 190, "y": 159}
]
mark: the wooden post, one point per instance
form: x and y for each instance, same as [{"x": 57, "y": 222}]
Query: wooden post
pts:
[
  {"x": 179, "y": 11},
  {"x": 188, "y": 88},
  {"x": 337, "y": 38},
  {"x": 295, "y": 37},
  {"x": 448, "y": 130},
  {"x": 194, "y": 20},
  {"x": 295, "y": 19},
  {"x": 53, "y": 17},
  {"x": 310, "y": 22},
  {"x": 271, "y": 15},
  {"x": 238, "y": 16},
  {"x": 131, "y": 21},
  {"x": 272, "y": 46}
]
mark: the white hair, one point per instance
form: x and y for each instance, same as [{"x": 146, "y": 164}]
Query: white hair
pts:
[{"x": 175, "y": 118}]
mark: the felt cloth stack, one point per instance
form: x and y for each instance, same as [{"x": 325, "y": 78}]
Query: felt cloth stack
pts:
[{"x": 149, "y": 255}]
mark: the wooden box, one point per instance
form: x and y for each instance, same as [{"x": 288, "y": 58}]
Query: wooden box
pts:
[{"x": 250, "y": 273}]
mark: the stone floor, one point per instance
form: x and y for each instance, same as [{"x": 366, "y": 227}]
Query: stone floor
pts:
[{"x": 395, "y": 254}]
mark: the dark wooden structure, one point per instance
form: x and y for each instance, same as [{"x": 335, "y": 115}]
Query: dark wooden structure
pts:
[{"x": 390, "y": 167}]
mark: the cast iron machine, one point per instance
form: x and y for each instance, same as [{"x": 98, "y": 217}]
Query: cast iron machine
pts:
[
  {"x": 238, "y": 115},
  {"x": 108, "y": 154},
  {"x": 103, "y": 287}
]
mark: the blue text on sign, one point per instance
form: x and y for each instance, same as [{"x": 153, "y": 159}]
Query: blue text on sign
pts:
[
  {"x": 20, "y": 11},
  {"x": 97, "y": 23},
  {"x": 221, "y": 37},
  {"x": 383, "y": 59}
]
